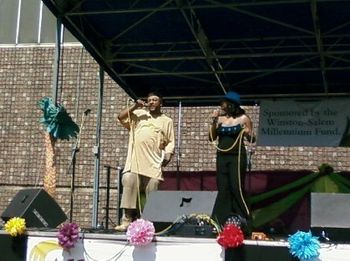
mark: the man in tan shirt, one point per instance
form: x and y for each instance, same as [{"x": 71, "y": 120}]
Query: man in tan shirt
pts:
[{"x": 151, "y": 146}]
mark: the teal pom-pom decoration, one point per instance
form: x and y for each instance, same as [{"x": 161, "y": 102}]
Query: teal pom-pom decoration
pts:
[
  {"x": 57, "y": 121},
  {"x": 304, "y": 246}
]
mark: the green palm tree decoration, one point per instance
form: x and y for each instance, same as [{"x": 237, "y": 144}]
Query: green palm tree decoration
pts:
[{"x": 58, "y": 125}]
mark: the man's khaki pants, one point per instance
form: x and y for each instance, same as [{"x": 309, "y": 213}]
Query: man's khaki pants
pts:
[{"x": 133, "y": 184}]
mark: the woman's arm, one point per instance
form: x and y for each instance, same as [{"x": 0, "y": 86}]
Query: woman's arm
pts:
[
  {"x": 248, "y": 129},
  {"x": 213, "y": 126},
  {"x": 212, "y": 130}
]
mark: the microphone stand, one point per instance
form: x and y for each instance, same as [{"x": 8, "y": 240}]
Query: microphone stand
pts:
[
  {"x": 249, "y": 167},
  {"x": 250, "y": 155},
  {"x": 249, "y": 158},
  {"x": 75, "y": 150}
]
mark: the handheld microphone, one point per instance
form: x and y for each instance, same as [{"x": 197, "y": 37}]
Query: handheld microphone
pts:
[{"x": 144, "y": 104}]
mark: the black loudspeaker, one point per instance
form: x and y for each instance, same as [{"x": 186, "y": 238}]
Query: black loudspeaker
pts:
[
  {"x": 166, "y": 207},
  {"x": 37, "y": 207},
  {"x": 330, "y": 216}
]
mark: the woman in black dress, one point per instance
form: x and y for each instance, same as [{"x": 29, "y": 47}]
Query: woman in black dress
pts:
[{"x": 230, "y": 126}]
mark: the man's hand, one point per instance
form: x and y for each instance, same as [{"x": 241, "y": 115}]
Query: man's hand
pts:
[
  {"x": 140, "y": 103},
  {"x": 167, "y": 158}
]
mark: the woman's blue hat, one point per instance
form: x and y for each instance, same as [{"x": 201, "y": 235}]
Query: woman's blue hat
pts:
[{"x": 233, "y": 97}]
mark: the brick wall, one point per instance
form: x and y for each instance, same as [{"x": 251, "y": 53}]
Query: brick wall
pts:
[{"x": 26, "y": 76}]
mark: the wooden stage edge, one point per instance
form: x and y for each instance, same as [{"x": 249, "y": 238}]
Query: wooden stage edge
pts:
[{"x": 43, "y": 245}]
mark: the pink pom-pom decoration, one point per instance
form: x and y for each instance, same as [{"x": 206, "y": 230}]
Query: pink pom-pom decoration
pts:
[
  {"x": 231, "y": 236},
  {"x": 68, "y": 235},
  {"x": 140, "y": 232}
]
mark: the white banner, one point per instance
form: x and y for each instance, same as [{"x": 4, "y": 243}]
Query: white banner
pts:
[
  {"x": 304, "y": 123},
  {"x": 42, "y": 248},
  {"x": 48, "y": 249}
]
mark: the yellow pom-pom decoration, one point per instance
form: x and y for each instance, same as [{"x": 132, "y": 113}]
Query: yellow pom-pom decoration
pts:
[{"x": 15, "y": 226}]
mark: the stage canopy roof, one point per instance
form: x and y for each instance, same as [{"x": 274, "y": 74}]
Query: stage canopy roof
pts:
[{"x": 197, "y": 50}]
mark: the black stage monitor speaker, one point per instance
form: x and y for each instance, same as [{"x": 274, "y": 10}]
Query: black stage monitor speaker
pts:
[
  {"x": 37, "y": 207},
  {"x": 330, "y": 215},
  {"x": 167, "y": 206}
]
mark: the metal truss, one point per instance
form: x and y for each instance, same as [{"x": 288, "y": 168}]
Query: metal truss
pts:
[{"x": 201, "y": 55}]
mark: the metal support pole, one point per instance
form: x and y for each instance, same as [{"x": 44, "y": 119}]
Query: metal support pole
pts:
[
  {"x": 57, "y": 58},
  {"x": 120, "y": 190},
  {"x": 107, "y": 194},
  {"x": 178, "y": 183},
  {"x": 97, "y": 152}
]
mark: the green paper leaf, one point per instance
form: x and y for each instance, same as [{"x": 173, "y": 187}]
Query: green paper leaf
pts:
[{"x": 56, "y": 120}]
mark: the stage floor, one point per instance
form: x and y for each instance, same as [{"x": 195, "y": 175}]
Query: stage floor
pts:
[{"x": 97, "y": 245}]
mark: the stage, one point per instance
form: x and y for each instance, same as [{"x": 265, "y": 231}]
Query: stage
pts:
[
  {"x": 41, "y": 244},
  {"x": 99, "y": 245}
]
